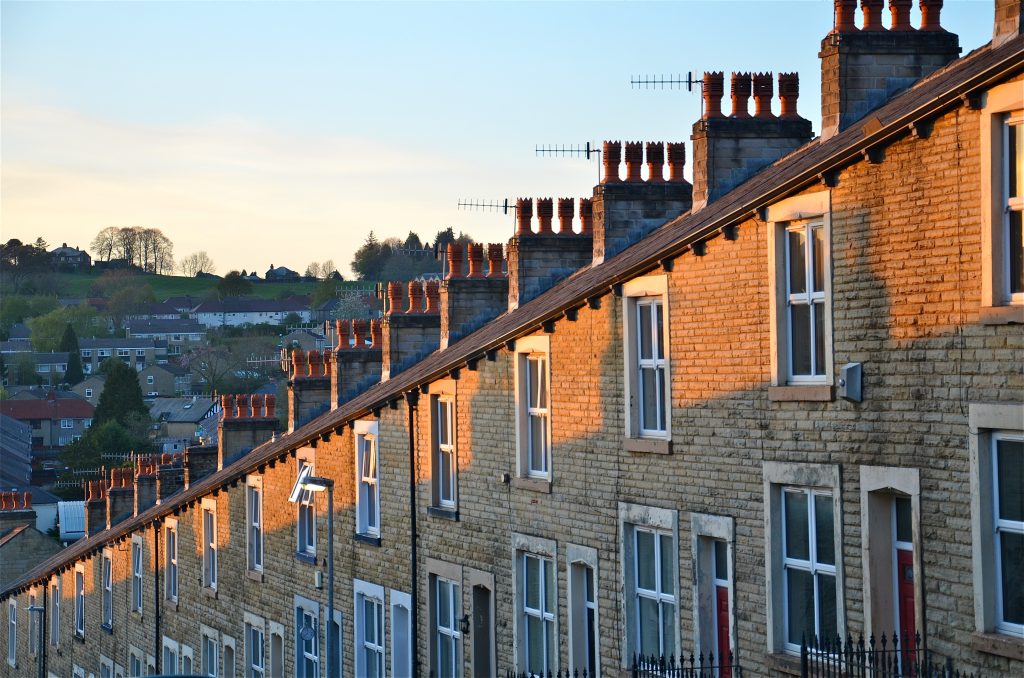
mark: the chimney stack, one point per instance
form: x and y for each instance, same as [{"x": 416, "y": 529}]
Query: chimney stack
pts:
[
  {"x": 16, "y": 510},
  {"x": 120, "y": 496},
  {"x": 1009, "y": 21},
  {"x": 862, "y": 69},
  {"x": 536, "y": 261},
  {"x": 408, "y": 337},
  {"x": 355, "y": 368},
  {"x": 309, "y": 390},
  {"x": 170, "y": 475},
  {"x": 467, "y": 303},
  {"x": 95, "y": 505},
  {"x": 728, "y": 151},
  {"x": 202, "y": 460},
  {"x": 621, "y": 213},
  {"x": 145, "y": 484},
  {"x": 253, "y": 423}
]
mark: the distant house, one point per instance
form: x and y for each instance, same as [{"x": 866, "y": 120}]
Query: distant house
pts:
[
  {"x": 136, "y": 353},
  {"x": 183, "y": 304},
  {"x": 183, "y": 418},
  {"x": 15, "y": 451},
  {"x": 55, "y": 422},
  {"x": 71, "y": 257},
  {"x": 235, "y": 311},
  {"x": 155, "y": 311},
  {"x": 307, "y": 340},
  {"x": 251, "y": 277},
  {"x": 91, "y": 388},
  {"x": 165, "y": 381},
  {"x": 281, "y": 274},
  {"x": 51, "y": 367},
  {"x": 15, "y": 347},
  {"x": 180, "y": 334},
  {"x": 20, "y": 332},
  {"x": 22, "y": 545}
]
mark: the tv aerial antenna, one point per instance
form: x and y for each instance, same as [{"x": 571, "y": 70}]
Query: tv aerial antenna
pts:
[
  {"x": 589, "y": 150},
  {"x": 677, "y": 81}
]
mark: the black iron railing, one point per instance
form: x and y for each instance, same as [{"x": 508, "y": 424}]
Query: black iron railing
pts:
[
  {"x": 884, "y": 657},
  {"x": 697, "y": 666}
]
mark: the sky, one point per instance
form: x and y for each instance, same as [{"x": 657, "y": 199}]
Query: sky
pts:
[{"x": 282, "y": 133}]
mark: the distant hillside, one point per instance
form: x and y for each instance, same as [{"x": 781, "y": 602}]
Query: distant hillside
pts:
[{"x": 77, "y": 285}]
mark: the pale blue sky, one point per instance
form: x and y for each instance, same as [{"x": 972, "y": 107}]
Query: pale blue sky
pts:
[{"x": 282, "y": 132}]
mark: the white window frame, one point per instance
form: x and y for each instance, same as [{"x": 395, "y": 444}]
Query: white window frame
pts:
[
  {"x": 367, "y": 469},
  {"x": 149, "y": 379},
  {"x": 171, "y": 552},
  {"x": 88, "y": 393},
  {"x": 12, "y": 631},
  {"x": 80, "y": 600},
  {"x": 526, "y": 547},
  {"x": 634, "y": 518},
  {"x": 187, "y": 660},
  {"x": 67, "y": 423},
  {"x": 310, "y": 608},
  {"x": 136, "y": 662},
  {"x": 999, "y": 104},
  {"x": 86, "y": 353},
  {"x": 305, "y": 522},
  {"x": 988, "y": 423},
  {"x": 401, "y": 607},
  {"x": 812, "y": 565},
  {"x": 442, "y": 414},
  {"x": 812, "y": 208},
  {"x": 56, "y": 589},
  {"x": 254, "y": 522},
  {"x": 106, "y": 667},
  {"x": 1003, "y": 525},
  {"x": 445, "y": 632},
  {"x": 646, "y": 290},
  {"x": 363, "y": 591},
  {"x": 138, "y": 568},
  {"x": 228, "y": 652},
  {"x": 107, "y": 587},
  {"x": 209, "y": 639},
  {"x": 776, "y": 477},
  {"x": 209, "y": 532},
  {"x": 255, "y": 652},
  {"x": 527, "y": 349},
  {"x": 171, "y": 653},
  {"x": 578, "y": 559},
  {"x": 124, "y": 353}
]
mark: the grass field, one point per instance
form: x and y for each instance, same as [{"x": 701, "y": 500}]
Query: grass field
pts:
[{"x": 77, "y": 285}]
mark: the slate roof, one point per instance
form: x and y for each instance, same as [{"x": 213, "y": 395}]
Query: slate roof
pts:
[
  {"x": 121, "y": 343},
  {"x": 253, "y": 305},
  {"x": 20, "y": 332},
  {"x": 181, "y": 410},
  {"x": 940, "y": 92},
  {"x": 62, "y": 408},
  {"x": 165, "y": 326}
]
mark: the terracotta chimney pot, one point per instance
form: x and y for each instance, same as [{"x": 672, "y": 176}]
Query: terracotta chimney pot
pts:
[
  {"x": 342, "y": 327},
  {"x": 299, "y": 364},
  {"x": 566, "y": 208},
  {"x": 655, "y": 161},
  {"x": 611, "y": 155},
  {"x": 714, "y": 89},
  {"x": 375, "y": 334},
  {"x": 872, "y": 11},
  {"x": 676, "y": 161},
  {"x": 394, "y": 297},
  {"x": 586, "y": 217},
  {"x": 900, "y": 11},
  {"x": 227, "y": 406},
  {"x": 634, "y": 161},
  {"x": 545, "y": 211},
  {"x": 416, "y": 291},
  {"x": 845, "y": 15},
  {"x": 495, "y": 256},
  {"x": 433, "y": 290},
  {"x": 789, "y": 92},
  {"x": 930, "y": 15},
  {"x": 740, "y": 88},
  {"x": 359, "y": 328},
  {"x": 268, "y": 404},
  {"x": 454, "y": 260},
  {"x": 26, "y": 500},
  {"x": 524, "y": 215},
  {"x": 763, "y": 90},
  {"x": 476, "y": 260}
]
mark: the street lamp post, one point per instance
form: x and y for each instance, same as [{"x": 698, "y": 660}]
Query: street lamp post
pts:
[
  {"x": 37, "y": 609},
  {"x": 304, "y": 484}
]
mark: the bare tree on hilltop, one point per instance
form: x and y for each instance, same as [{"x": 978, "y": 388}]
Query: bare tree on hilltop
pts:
[
  {"x": 147, "y": 248},
  {"x": 195, "y": 263}
]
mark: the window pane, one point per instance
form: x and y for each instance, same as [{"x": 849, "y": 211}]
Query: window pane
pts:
[
  {"x": 667, "y": 565},
  {"x": 649, "y": 627},
  {"x": 800, "y": 605},
  {"x": 444, "y": 610},
  {"x": 644, "y": 330},
  {"x": 668, "y": 618},
  {"x": 1010, "y": 460},
  {"x": 659, "y": 328},
  {"x": 542, "y": 384},
  {"x": 795, "y": 519},
  {"x": 533, "y": 376},
  {"x": 818, "y": 247},
  {"x": 824, "y": 529},
  {"x": 661, "y": 399},
  {"x": 446, "y": 476},
  {"x": 797, "y": 263},
  {"x": 827, "y": 606},
  {"x": 645, "y": 576},
  {"x": 819, "y": 337},
  {"x": 800, "y": 349},
  {"x": 904, "y": 530},
  {"x": 538, "y": 446},
  {"x": 1016, "y": 156},
  {"x": 1011, "y": 556},
  {"x": 649, "y": 385},
  {"x": 445, "y": 660},
  {"x": 532, "y": 583},
  {"x": 1016, "y": 250},
  {"x": 549, "y": 586},
  {"x": 535, "y": 635},
  {"x": 721, "y": 560}
]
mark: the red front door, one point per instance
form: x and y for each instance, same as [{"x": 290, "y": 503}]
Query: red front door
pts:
[
  {"x": 722, "y": 627},
  {"x": 905, "y": 595}
]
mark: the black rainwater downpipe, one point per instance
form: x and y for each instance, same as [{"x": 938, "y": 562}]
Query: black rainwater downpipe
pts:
[
  {"x": 156, "y": 598},
  {"x": 412, "y": 399}
]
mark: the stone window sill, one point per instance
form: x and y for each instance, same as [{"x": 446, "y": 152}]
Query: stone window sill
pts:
[
  {"x": 783, "y": 663},
  {"x": 1001, "y": 315},
  {"x": 367, "y": 539},
  {"x": 108, "y": 629},
  {"x": 818, "y": 393},
  {"x": 255, "y": 575},
  {"x": 532, "y": 484},
  {"x": 209, "y": 593},
  {"x": 445, "y": 513},
  {"x": 647, "y": 445},
  {"x": 998, "y": 644},
  {"x": 306, "y": 558}
]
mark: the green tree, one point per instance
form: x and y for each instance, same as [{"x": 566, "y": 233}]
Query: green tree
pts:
[
  {"x": 69, "y": 345},
  {"x": 23, "y": 370},
  {"x": 325, "y": 291},
  {"x": 48, "y": 329},
  {"x": 121, "y": 397},
  {"x": 370, "y": 258},
  {"x": 233, "y": 285},
  {"x": 110, "y": 437}
]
